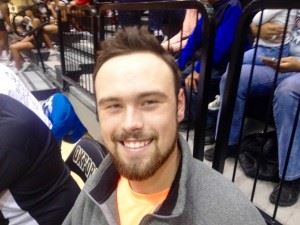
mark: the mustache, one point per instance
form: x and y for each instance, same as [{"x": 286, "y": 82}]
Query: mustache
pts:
[{"x": 139, "y": 135}]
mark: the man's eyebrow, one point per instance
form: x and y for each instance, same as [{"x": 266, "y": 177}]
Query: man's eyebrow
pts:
[
  {"x": 141, "y": 95},
  {"x": 153, "y": 94},
  {"x": 108, "y": 99}
]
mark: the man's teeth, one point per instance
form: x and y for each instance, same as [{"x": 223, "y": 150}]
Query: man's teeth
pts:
[{"x": 136, "y": 144}]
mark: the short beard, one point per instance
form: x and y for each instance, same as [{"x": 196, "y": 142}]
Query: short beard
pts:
[{"x": 135, "y": 171}]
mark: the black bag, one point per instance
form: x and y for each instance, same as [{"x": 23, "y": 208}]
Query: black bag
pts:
[{"x": 248, "y": 158}]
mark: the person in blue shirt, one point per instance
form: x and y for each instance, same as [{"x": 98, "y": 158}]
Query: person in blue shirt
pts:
[
  {"x": 227, "y": 14},
  {"x": 65, "y": 123}
]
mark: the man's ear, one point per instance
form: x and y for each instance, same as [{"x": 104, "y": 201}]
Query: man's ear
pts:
[{"x": 180, "y": 105}]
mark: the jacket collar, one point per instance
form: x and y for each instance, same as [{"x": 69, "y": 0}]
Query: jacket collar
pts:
[{"x": 176, "y": 199}]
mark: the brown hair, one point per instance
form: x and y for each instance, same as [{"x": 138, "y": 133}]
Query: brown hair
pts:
[{"x": 132, "y": 40}]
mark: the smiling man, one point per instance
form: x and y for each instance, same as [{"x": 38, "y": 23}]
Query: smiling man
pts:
[{"x": 150, "y": 177}]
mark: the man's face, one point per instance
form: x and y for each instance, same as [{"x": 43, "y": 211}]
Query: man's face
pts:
[{"x": 138, "y": 112}]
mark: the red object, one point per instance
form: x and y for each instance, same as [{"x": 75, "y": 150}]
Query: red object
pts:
[{"x": 82, "y": 2}]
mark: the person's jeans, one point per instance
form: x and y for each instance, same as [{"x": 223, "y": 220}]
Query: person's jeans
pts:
[
  {"x": 285, "y": 102},
  {"x": 191, "y": 99},
  {"x": 262, "y": 51}
]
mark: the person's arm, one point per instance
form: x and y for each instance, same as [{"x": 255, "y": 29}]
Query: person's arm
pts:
[
  {"x": 174, "y": 46},
  {"x": 13, "y": 164},
  {"x": 27, "y": 38},
  {"x": 222, "y": 45},
  {"x": 224, "y": 36},
  {"x": 52, "y": 7},
  {"x": 194, "y": 42},
  {"x": 267, "y": 30},
  {"x": 14, "y": 160},
  {"x": 287, "y": 64},
  {"x": 267, "y": 15},
  {"x": 6, "y": 17},
  {"x": 180, "y": 39}
]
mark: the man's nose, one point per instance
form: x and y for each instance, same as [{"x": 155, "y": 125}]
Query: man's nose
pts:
[{"x": 133, "y": 119}]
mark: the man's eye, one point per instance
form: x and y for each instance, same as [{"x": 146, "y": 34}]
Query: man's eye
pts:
[
  {"x": 113, "y": 106},
  {"x": 149, "y": 103}
]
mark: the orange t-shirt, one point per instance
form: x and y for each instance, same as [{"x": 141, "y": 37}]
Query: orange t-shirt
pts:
[{"x": 134, "y": 206}]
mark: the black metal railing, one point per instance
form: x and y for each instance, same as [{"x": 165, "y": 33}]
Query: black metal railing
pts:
[{"x": 78, "y": 46}]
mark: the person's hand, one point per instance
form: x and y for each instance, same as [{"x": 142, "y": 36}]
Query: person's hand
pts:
[
  {"x": 167, "y": 46},
  {"x": 191, "y": 81},
  {"x": 287, "y": 64},
  {"x": 269, "y": 31}
]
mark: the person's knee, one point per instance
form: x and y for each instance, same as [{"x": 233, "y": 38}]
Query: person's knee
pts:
[
  {"x": 222, "y": 83},
  {"x": 13, "y": 47},
  {"x": 61, "y": 4},
  {"x": 290, "y": 87}
]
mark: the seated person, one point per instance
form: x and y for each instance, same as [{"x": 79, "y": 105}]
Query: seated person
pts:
[
  {"x": 52, "y": 28},
  {"x": 285, "y": 101},
  {"x": 28, "y": 42},
  {"x": 271, "y": 48},
  {"x": 227, "y": 16},
  {"x": 35, "y": 185}
]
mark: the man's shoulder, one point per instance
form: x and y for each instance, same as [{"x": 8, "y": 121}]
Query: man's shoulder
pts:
[
  {"x": 207, "y": 179},
  {"x": 223, "y": 201}
]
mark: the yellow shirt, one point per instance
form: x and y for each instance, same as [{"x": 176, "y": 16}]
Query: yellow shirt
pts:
[{"x": 133, "y": 206}]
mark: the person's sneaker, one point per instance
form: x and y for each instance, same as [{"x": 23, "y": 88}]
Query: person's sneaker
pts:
[
  {"x": 24, "y": 67},
  {"x": 215, "y": 105},
  {"x": 11, "y": 64},
  {"x": 289, "y": 193},
  {"x": 210, "y": 153},
  {"x": 4, "y": 57}
]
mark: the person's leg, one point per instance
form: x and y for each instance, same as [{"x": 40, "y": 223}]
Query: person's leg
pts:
[
  {"x": 2, "y": 41},
  {"x": 286, "y": 100},
  {"x": 6, "y": 45},
  {"x": 16, "y": 48},
  {"x": 285, "y": 103},
  {"x": 261, "y": 86},
  {"x": 248, "y": 56},
  {"x": 49, "y": 29}
]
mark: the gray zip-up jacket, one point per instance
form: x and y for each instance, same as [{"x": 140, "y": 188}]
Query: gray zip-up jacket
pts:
[{"x": 198, "y": 195}]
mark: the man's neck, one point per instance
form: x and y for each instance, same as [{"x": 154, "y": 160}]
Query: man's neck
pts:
[{"x": 162, "y": 178}]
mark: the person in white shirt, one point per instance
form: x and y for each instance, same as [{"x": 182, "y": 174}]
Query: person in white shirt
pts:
[{"x": 271, "y": 48}]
